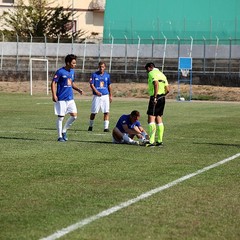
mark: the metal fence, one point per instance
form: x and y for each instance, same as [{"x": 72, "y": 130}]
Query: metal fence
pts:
[{"x": 209, "y": 56}]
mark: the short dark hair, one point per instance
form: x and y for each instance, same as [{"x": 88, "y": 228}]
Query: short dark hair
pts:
[
  {"x": 101, "y": 63},
  {"x": 151, "y": 65},
  {"x": 135, "y": 113},
  {"x": 69, "y": 58}
]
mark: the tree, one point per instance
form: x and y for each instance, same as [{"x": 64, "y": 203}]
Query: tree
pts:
[{"x": 38, "y": 19}]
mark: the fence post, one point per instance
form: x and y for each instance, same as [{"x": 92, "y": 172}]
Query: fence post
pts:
[
  {"x": 30, "y": 50},
  {"x": 230, "y": 57},
  {"x": 99, "y": 50},
  {"x": 84, "y": 54},
  {"x": 110, "y": 63},
  {"x": 58, "y": 42},
  {"x": 215, "y": 57},
  {"x": 191, "y": 47},
  {"x": 45, "y": 46},
  {"x": 204, "y": 55},
  {"x": 138, "y": 49},
  {"x": 17, "y": 51},
  {"x": 152, "y": 45},
  {"x": 179, "y": 46},
  {"x": 72, "y": 44},
  {"x": 164, "y": 52},
  {"x": 2, "y": 51},
  {"x": 125, "y": 54}
]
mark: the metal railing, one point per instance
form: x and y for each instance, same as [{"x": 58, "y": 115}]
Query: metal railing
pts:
[{"x": 215, "y": 56}]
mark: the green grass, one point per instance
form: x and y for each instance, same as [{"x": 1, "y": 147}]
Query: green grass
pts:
[{"x": 46, "y": 186}]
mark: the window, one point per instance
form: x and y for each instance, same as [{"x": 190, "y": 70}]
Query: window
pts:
[{"x": 7, "y": 1}]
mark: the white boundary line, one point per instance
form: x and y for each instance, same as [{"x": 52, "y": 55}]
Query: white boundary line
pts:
[{"x": 122, "y": 205}]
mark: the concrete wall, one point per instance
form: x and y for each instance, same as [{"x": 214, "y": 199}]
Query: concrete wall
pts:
[{"x": 118, "y": 50}]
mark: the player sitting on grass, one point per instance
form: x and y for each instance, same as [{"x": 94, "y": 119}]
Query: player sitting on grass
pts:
[{"x": 127, "y": 127}]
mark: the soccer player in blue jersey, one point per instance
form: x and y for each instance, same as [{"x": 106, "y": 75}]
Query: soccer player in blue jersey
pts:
[
  {"x": 62, "y": 94},
  {"x": 100, "y": 84},
  {"x": 127, "y": 127}
]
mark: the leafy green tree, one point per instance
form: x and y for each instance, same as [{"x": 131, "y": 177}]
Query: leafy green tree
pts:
[{"x": 39, "y": 19}]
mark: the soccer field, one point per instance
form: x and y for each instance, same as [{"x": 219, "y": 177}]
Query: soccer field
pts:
[{"x": 88, "y": 188}]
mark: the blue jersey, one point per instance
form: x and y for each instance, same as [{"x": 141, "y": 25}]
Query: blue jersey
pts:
[
  {"x": 100, "y": 82},
  {"x": 64, "y": 80},
  {"x": 125, "y": 119}
]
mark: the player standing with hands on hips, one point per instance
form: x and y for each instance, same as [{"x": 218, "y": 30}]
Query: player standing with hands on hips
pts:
[
  {"x": 158, "y": 88},
  {"x": 62, "y": 94},
  {"x": 102, "y": 96}
]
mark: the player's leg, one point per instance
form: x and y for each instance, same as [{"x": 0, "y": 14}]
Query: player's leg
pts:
[
  {"x": 143, "y": 137},
  {"x": 159, "y": 122},
  {"x": 151, "y": 122},
  {"x": 60, "y": 110},
  {"x": 72, "y": 110},
  {"x": 117, "y": 135},
  {"x": 160, "y": 130},
  {"x": 129, "y": 139},
  {"x": 59, "y": 128},
  {"x": 94, "y": 110},
  {"x": 105, "y": 107},
  {"x": 151, "y": 129}
]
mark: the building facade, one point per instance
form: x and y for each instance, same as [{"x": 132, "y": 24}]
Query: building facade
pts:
[{"x": 89, "y": 13}]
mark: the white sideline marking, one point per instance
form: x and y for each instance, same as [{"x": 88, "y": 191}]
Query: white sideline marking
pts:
[
  {"x": 122, "y": 205},
  {"x": 43, "y": 103}
]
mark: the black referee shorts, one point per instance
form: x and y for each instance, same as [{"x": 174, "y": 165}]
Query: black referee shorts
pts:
[{"x": 158, "y": 108}]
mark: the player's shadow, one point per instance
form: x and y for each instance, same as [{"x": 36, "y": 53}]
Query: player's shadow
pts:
[
  {"x": 54, "y": 129},
  {"x": 46, "y": 129},
  {"x": 18, "y": 138},
  {"x": 72, "y": 140},
  {"x": 83, "y": 141}
]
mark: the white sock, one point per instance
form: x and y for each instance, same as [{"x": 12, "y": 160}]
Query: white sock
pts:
[
  {"x": 126, "y": 138},
  {"x": 69, "y": 123},
  {"x": 106, "y": 124},
  {"x": 59, "y": 126},
  {"x": 91, "y": 122}
]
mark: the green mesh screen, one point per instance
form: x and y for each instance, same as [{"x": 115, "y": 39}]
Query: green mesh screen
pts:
[{"x": 129, "y": 20}]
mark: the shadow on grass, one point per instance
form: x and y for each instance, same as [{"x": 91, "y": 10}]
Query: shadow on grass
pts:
[
  {"x": 82, "y": 141},
  {"x": 19, "y": 138},
  {"x": 71, "y": 130},
  {"x": 35, "y": 139}
]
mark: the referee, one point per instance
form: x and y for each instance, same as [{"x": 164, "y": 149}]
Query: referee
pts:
[{"x": 158, "y": 88}]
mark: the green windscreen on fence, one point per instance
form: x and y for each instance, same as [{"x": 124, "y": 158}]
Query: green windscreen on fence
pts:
[{"x": 172, "y": 19}]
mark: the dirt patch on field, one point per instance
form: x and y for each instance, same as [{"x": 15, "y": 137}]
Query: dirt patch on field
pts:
[{"x": 136, "y": 90}]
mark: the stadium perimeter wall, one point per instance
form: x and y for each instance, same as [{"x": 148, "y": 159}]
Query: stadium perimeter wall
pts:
[
  {"x": 16, "y": 56},
  {"x": 119, "y": 50}
]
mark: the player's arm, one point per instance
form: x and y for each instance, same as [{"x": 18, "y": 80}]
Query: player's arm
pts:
[
  {"x": 141, "y": 129},
  {"x": 167, "y": 89},
  {"x": 95, "y": 90},
  {"x": 156, "y": 86},
  {"x": 54, "y": 91},
  {"x": 137, "y": 129},
  {"x": 110, "y": 92},
  {"x": 74, "y": 86},
  {"x": 129, "y": 131}
]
